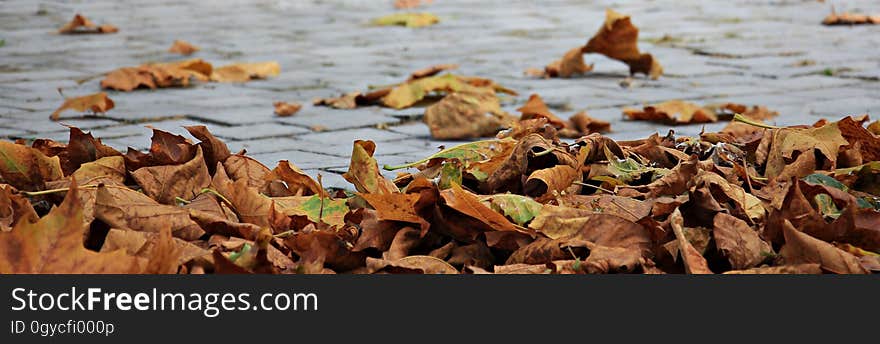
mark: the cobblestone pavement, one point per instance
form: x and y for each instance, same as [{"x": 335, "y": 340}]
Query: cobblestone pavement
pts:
[{"x": 773, "y": 53}]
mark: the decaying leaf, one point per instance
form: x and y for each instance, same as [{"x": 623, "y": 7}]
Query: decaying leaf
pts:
[{"x": 528, "y": 202}]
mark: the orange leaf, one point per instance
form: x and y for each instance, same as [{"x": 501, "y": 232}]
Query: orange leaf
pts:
[
  {"x": 97, "y": 103},
  {"x": 468, "y": 204},
  {"x": 283, "y": 109},
  {"x": 618, "y": 39}
]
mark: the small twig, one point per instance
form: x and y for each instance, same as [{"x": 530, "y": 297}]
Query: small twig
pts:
[
  {"x": 181, "y": 200},
  {"x": 548, "y": 151}
]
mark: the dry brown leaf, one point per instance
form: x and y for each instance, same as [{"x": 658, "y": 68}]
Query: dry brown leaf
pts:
[
  {"x": 738, "y": 242},
  {"x": 27, "y": 168},
  {"x": 241, "y": 167},
  {"x": 847, "y": 18},
  {"x": 535, "y": 107},
  {"x": 363, "y": 172},
  {"x": 548, "y": 182},
  {"x": 81, "y": 24},
  {"x": 571, "y": 64},
  {"x": 618, "y": 39},
  {"x": 242, "y": 72},
  {"x": 167, "y": 183},
  {"x": 672, "y": 111},
  {"x": 412, "y": 264},
  {"x": 157, "y": 75},
  {"x": 464, "y": 115},
  {"x": 124, "y": 208},
  {"x": 182, "y": 48},
  {"x": 111, "y": 167},
  {"x": 801, "y": 248},
  {"x": 214, "y": 150},
  {"x": 144, "y": 244},
  {"x": 694, "y": 262},
  {"x": 468, "y": 204},
  {"x": 54, "y": 244},
  {"x": 431, "y": 71},
  {"x": 96, "y": 103},
  {"x": 297, "y": 182},
  {"x": 14, "y": 208},
  {"x": 284, "y": 109},
  {"x": 585, "y": 125}
]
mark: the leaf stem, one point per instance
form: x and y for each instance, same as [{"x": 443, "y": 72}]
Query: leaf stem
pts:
[
  {"x": 215, "y": 193},
  {"x": 596, "y": 187},
  {"x": 51, "y": 191},
  {"x": 743, "y": 119}
]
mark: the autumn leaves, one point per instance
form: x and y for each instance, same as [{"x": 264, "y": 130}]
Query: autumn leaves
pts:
[
  {"x": 799, "y": 199},
  {"x": 157, "y": 75}
]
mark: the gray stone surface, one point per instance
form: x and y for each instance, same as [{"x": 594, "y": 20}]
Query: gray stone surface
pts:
[{"x": 772, "y": 53}]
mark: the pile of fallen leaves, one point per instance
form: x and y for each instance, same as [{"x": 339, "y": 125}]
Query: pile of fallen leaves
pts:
[{"x": 750, "y": 199}]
